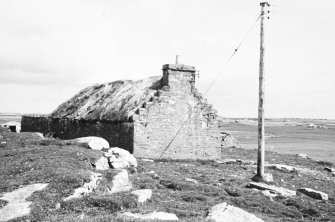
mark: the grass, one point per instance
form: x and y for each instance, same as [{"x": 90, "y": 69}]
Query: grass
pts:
[{"x": 27, "y": 159}]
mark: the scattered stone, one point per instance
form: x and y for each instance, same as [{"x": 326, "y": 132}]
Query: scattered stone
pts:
[
  {"x": 17, "y": 205},
  {"x": 224, "y": 212},
  {"x": 87, "y": 187},
  {"x": 151, "y": 216},
  {"x": 143, "y": 195},
  {"x": 170, "y": 184},
  {"x": 93, "y": 142},
  {"x": 281, "y": 167},
  {"x": 303, "y": 155},
  {"x": 191, "y": 180},
  {"x": 120, "y": 182},
  {"x": 148, "y": 160},
  {"x": 102, "y": 164},
  {"x": 273, "y": 189},
  {"x": 39, "y": 134},
  {"x": 119, "y": 163},
  {"x": 124, "y": 154},
  {"x": 95, "y": 145},
  {"x": 233, "y": 191},
  {"x": 269, "y": 194},
  {"x": 313, "y": 193},
  {"x": 287, "y": 168}
]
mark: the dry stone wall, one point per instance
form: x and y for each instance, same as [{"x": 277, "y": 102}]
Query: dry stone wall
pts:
[{"x": 117, "y": 134}]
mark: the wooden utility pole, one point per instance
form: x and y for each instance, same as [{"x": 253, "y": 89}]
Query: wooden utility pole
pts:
[{"x": 261, "y": 131}]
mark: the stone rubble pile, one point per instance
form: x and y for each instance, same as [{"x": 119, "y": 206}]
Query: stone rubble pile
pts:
[{"x": 224, "y": 212}]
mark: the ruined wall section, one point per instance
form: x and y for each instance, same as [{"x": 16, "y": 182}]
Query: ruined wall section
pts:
[
  {"x": 118, "y": 134},
  {"x": 177, "y": 104}
]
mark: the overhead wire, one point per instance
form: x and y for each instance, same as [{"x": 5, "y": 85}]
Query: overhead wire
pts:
[
  {"x": 303, "y": 8},
  {"x": 214, "y": 80}
]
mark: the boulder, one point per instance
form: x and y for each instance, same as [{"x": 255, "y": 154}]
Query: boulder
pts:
[
  {"x": 191, "y": 180},
  {"x": 93, "y": 142},
  {"x": 143, "y": 195},
  {"x": 313, "y": 193},
  {"x": 303, "y": 155},
  {"x": 281, "y": 167},
  {"x": 39, "y": 135},
  {"x": 17, "y": 205},
  {"x": 224, "y": 212},
  {"x": 87, "y": 187},
  {"x": 269, "y": 194},
  {"x": 151, "y": 216},
  {"x": 273, "y": 189},
  {"x": 119, "y": 163},
  {"x": 120, "y": 182},
  {"x": 102, "y": 164},
  {"x": 122, "y": 153}
]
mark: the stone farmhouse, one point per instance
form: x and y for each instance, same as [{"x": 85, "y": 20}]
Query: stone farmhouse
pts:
[{"x": 141, "y": 116}]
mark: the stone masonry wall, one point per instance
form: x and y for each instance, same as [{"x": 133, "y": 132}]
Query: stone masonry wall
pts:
[
  {"x": 158, "y": 121},
  {"x": 117, "y": 134}
]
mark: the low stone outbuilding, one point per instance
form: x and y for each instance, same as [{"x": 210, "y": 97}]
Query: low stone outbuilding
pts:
[
  {"x": 13, "y": 126},
  {"x": 141, "y": 116}
]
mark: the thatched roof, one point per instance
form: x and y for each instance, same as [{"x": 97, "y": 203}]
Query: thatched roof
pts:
[{"x": 115, "y": 101}]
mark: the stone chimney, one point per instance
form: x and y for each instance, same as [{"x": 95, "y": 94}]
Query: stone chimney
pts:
[{"x": 179, "y": 78}]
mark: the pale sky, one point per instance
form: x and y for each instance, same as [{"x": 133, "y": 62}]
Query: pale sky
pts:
[{"x": 49, "y": 50}]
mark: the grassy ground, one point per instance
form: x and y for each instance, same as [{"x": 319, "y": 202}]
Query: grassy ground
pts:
[{"x": 27, "y": 159}]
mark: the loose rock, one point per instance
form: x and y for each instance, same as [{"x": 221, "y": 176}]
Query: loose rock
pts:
[
  {"x": 191, "y": 180},
  {"x": 118, "y": 163},
  {"x": 151, "y": 216},
  {"x": 120, "y": 182},
  {"x": 143, "y": 195},
  {"x": 17, "y": 205},
  {"x": 87, "y": 187},
  {"x": 278, "y": 190},
  {"x": 224, "y": 212},
  {"x": 93, "y": 142},
  {"x": 313, "y": 193},
  {"x": 124, "y": 154},
  {"x": 281, "y": 167},
  {"x": 303, "y": 155},
  {"x": 102, "y": 164}
]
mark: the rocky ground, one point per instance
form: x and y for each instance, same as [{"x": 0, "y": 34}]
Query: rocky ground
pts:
[{"x": 186, "y": 189}]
